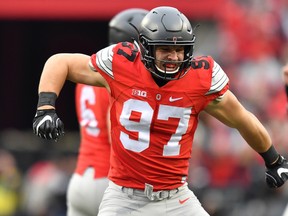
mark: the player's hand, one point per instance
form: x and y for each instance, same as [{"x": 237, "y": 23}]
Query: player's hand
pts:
[
  {"x": 277, "y": 174},
  {"x": 47, "y": 125}
]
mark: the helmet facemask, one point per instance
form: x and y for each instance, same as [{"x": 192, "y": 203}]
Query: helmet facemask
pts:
[{"x": 148, "y": 54}]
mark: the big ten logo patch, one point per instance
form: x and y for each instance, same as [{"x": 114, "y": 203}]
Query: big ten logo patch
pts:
[{"x": 140, "y": 93}]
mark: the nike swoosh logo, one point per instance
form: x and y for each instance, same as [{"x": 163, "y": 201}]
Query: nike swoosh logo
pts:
[
  {"x": 183, "y": 201},
  {"x": 280, "y": 171},
  {"x": 49, "y": 118},
  {"x": 171, "y": 99}
]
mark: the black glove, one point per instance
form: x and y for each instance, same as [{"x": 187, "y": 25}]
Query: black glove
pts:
[
  {"x": 277, "y": 173},
  {"x": 47, "y": 125}
]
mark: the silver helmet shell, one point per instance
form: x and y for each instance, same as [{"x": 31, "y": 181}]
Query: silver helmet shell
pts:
[{"x": 166, "y": 26}]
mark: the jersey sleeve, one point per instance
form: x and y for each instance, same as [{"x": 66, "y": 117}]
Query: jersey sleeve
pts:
[
  {"x": 102, "y": 61},
  {"x": 219, "y": 80}
]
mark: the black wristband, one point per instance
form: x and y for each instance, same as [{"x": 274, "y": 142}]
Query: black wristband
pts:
[
  {"x": 286, "y": 90},
  {"x": 270, "y": 156},
  {"x": 47, "y": 98}
]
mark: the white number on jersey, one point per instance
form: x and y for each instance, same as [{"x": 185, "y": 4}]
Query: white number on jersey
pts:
[{"x": 172, "y": 148}]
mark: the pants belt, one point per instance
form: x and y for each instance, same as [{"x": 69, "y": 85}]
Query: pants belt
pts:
[{"x": 148, "y": 192}]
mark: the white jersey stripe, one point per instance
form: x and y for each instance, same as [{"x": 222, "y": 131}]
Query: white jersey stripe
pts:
[
  {"x": 104, "y": 60},
  {"x": 219, "y": 79}
]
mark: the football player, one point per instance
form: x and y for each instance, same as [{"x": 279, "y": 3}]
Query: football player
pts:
[{"x": 158, "y": 90}]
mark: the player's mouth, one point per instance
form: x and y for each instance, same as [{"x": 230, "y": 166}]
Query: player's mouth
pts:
[{"x": 170, "y": 67}]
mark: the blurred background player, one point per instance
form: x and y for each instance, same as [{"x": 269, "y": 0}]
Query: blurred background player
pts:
[{"x": 89, "y": 180}]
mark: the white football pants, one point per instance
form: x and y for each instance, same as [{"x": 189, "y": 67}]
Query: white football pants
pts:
[
  {"x": 121, "y": 202},
  {"x": 85, "y": 194}
]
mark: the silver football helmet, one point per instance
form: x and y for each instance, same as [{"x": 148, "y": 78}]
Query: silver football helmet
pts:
[{"x": 166, "y": 26}]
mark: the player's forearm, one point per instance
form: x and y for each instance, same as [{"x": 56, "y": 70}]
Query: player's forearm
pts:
[
  {"x": 258, "y": 138},
  {"x": 53, "y": 75},
  {"x": 254, "y": 133}
]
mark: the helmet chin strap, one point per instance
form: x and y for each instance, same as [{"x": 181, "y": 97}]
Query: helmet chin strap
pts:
[{"x": 167, "y": 72}]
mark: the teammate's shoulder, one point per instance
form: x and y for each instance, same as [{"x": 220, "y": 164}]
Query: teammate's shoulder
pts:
[{"x": 202, "y": 62}]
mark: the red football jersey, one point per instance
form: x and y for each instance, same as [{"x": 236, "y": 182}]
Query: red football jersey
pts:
[
  {"x": 153, "y": 127},
  {"x": 92, "y": 107}
]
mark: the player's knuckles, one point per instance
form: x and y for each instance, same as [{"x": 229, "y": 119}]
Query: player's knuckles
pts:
[{"x": 50, "y": 126}]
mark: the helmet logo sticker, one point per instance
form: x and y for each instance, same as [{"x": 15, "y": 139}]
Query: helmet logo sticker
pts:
[{"x": 175, "y": 40}]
